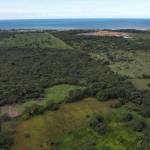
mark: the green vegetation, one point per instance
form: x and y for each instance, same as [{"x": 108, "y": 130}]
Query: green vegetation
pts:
[
  {"x": 67, "y": 127},
  {"x": 56, "y": 93},
  {"x": 141, "y": 83},
  {"x": 129, "y": 63},
  {"x": 77, "y": 95},
  {"x": 59, "y": 92},
  {"x": 34, "y": 40}
]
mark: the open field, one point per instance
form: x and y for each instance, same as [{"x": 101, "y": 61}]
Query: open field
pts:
[
  {"x": 56, "y": 93},
  {"x": 141, "y": 35},
  {"x": 141, "y": 83},
  {"x": 129, "y": 63},
  {"x": 34, "y": 40},
  {"x": 71, "y": 118}
]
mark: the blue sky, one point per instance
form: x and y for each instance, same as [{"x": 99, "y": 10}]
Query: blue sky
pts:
[{"x": 35, "y": 9}]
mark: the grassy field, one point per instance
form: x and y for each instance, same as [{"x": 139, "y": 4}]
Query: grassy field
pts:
[
  {"x": 141, "y": 83},
  {"x": 68, "y": 127},
  {"x": 132, "y": 63},
  {"x": 56, "y": 93},
  {"x": 34, "y": 40},
  {"x": 3, "y": 110},
  {"x": 141, "y": 35}
]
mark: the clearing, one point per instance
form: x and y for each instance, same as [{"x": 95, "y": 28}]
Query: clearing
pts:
[
  {"x": 129, "y": 63},
  {"x": 57, "y": 92},
  {"x": 141, "y": 83},
  {"x": 34, "y": 40},
  {"x": 68, "y": 126},
  {"x": 109, "y": 33}
]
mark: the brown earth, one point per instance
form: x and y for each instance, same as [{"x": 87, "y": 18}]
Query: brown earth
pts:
[
  {"x": 108, "y": 33},
  {"x": 38, "y": 99},
  {"x": 12, "y": 112}
]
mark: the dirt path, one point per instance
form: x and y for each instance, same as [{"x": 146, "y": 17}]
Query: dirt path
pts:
[{"x": 13, "y": 112}]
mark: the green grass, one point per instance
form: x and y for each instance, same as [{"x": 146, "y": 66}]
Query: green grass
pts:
[
  {"x": 57, "y": 93},
  {"x": 141, "y": 35},
  {"x": 34, "y": 40},
  {"x": 68, "y": 126},
  {"x": 3, "y": 110},
  {"x": 141, "y": 83},
  {"x": 139, "y": 64}
]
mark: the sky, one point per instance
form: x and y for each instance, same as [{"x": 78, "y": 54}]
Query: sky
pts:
[{"x": 47, "y": 9}]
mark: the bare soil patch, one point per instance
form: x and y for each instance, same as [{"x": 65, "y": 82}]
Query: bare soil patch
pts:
[
  {"x": 13, "y": 111},
  {"x": 108, "y": 33},
  {"x": 38, "y": 99}
]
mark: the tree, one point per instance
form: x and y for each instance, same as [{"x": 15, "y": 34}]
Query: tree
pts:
[{"x": 52, "y": 105}]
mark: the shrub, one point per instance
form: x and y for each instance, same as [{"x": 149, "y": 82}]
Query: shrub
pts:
[
  {"x": 5, "y": 117},
  {"x": 96, "y": 122},
  {"x": 93, "y": 122},
  {"x": 87, "y": 116},
  {"x": 5, "y": 141},
  {"x": 52, "y": 105},
  {"x": 138, "y": 125},
  {"x": 126, "y": 117},
  {"x": 144, "y": 111},
  {"x": 116, "y": 104},
  {"x": 26, "y": 134},
  {"x": 100, "y": 128},
  {"x": 25, "y": 116},
  {"x": 98, "y": 117},
  {"x": 122, "y": 101},
  {"x": 146, "y": 76}
]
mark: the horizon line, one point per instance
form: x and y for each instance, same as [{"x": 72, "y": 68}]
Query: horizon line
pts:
[{"x": 68, "y": 18}]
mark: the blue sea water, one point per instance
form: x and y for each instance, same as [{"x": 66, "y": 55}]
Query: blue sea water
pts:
[{"x": 75, "y": 24}]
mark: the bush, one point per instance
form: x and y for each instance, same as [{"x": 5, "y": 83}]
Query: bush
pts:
[
  {"x": 52, "y": 105},
  {"x": 122, "y": 101},
  {"x": 26, "y": 134},
  {"x": 98, "y": 117},
  {"x": 126, "y": 117},
  {"x": 93, "y": 122},
  {"x": 145, "y": 111},
  {"x": 138, "y": 125},
  {"x": 25, "y": 116},
  {"x": 100, "y": 128},
  {"x": 96, "y": 122},
  {"x": 116, "y": 104},
  {"x": 5, "y": 141},
  {"x": 5, "y": 117},
  {"x": 146, "y": 76}
]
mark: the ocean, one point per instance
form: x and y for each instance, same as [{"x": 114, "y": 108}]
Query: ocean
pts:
[{"x": 59, "y": 24}]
